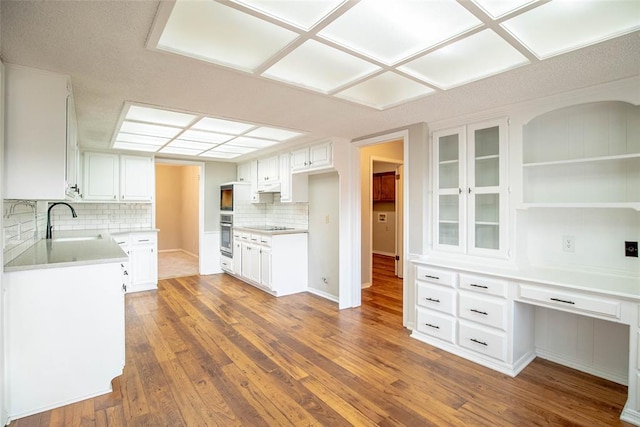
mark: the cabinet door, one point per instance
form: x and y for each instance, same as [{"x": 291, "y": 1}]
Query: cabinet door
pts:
[
  {"x": 35, "y": 134},
  {"x": 268, "y": 171},
  {"x": 237, "y": 257},
  {"x": 136, "y": 178},
  {"x": 73, "y": 154},
  {"x": 320, "y": 155},
  {"x": 144, "y": 265},
  {"x": 285, "y": 178},
  {"x": 487, "y": 187},
  {"x": 244, "y": 172},
  {"x": 251, "y": 262},
  {"x": 265, "y": 267},
  {"x": 100, "y": 176},
  {"x": 300, "y": 159},
  {"x": 449, "y": 179}
]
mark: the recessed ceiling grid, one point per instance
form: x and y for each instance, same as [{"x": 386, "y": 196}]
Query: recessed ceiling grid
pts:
[
  {"x": 382, "y": 53},
  {"x": 152, "y": 129}
]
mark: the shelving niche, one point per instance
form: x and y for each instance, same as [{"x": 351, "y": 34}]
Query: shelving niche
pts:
[{"x": 586, "y": 155}]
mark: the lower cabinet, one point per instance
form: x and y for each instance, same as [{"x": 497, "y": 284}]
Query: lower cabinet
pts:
[
  {"x": 275, "y": 263},
  {"x": 142, "y": 248},
  {"x": 65, "y": 335}
]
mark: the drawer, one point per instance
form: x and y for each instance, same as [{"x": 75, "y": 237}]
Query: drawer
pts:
[
  {"x": 484, "y": 285},
  {"x": 484, "y": 341},
  {"x": 434, "y": 275},
  {"x": 226, "y": 263},
  {"x": 264, "y": 240},
  {"x": 121, "y": 239},
  {"x": 436, "y": 297},
  {"x": 486, "y": 310},
  {"x": 571, "y": 301},
  {"x": 143, "y": 238},
  {"x": 436, "y": 325}
]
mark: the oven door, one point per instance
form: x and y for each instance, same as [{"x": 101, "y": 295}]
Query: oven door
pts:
[{"x": 226, "y": 237}]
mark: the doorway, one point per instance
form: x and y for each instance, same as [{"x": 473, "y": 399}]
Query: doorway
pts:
[
  {"x": 178, "y": 207},
  {"x": 381, "y": 216}
]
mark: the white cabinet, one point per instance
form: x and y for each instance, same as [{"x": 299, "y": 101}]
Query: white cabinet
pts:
[
  {"x": 311, "y": 158},
  {"x": 113, "y": 177},
  {"x": 142, "y": 248},
  {"x": 268, "y": 173},
  {"x": 583, "y": 156},
  {"x": 276, "y": 263},
  {"x": 39, "y": 128},
  {"x": 237, "y": 254},
  {"x": 244, "y": 172},
  {"x": 101, "y": 177},
  {"x": 470, "y": 189},
  {"x": 65, "y": 335},
  {"x": 136, "y": 179},
  {"x": 293, "y": 187}
]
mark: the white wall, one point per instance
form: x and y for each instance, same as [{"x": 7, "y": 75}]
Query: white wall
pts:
[{"x": 324, "y": 213}]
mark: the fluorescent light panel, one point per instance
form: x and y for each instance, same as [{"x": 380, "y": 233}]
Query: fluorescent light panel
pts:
[
  {"x": 357, "y": 46},
  {"x": 195, "y": 136}
]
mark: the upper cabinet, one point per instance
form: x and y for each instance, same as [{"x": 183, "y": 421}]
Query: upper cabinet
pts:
[
  {"x": 113, "y": 177},
  {"x": 583, "y": 156},
  {"x": 311, "y": 158},
  {"x": 384, "y": 187},
  {"x": 269, "y": 174},
  {"x": 40, "y": 133},
  {"x": 470, "y": 188}
]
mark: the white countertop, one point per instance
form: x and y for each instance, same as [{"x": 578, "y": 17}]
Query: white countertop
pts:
[
  {"x": 68, "y": 252},
  {"x": 263, "y": 230},
  {"x": 625, "y": 286}
]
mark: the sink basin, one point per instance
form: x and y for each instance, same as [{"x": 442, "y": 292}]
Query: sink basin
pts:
[{"x": 76, "y": 238}]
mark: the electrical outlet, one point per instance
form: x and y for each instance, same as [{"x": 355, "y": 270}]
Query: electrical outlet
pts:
[
  {"x": 568, "y": 243},
  {"x": 631, "y": 249}
]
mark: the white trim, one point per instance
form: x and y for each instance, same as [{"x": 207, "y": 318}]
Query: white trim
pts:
[
  {"x": 355, "y": 218},
  {"x": 323, "y": 294}
]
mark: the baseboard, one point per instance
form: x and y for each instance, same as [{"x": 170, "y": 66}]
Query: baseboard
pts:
[
  {"x": 607, "y": 375},
  {"x": 323, "y": 294},
  {"x": 178, "y": 250},
  {"x": 366, "y": 285}
]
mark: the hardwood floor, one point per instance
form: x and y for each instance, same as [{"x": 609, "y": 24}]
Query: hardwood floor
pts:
[{"x": 211, "y": 350}]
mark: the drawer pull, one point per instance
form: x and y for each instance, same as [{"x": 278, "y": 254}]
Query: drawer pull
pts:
[
  {"x": 431, "y": 277},
  {"x": 433, "y": 300},
  {"x": 432, "y": 326},
  {"x": 479, "y": 342},
  {"x": 143, "y": 240},
  {"x": 562, "y": 300},
  {"x": 473, "y": 285},
  {"x": 484, "y": 313}
]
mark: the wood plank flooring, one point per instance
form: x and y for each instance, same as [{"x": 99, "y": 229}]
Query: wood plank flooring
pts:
[{"x": 213, "y": 351}]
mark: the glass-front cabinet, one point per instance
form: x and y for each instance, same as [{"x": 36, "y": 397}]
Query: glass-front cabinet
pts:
[{"x": 471, "y": 188}]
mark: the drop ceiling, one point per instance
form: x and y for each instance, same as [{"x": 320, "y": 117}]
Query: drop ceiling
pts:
[{"x": 310, "y": 74}]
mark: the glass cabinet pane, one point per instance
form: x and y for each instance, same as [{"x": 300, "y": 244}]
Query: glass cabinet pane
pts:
[
  {"x": 448, "y": 162},
  {"x": 448, "y": 148},
  {"x": 449, "y": 221},
  {"x": 448, "y": 175},
  {"x": 487, "y": 217},
  {"x": 487, "y": 155}
]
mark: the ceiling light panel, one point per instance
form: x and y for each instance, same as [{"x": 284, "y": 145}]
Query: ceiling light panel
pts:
[
  {"x": 390, "y": 31},
  {"x": 498, "y": 8},
  {"x": 384, "y": 91},
  {"x": 222, "y": 126},
  {"x": 273, "y": 133},
  {"x": 564, "y": 25},
  {"x": 136, "y": 147},
  {"x": 158, "y": 116},
  {"x": 319, "y": 67},
  {"x": 201, "y": 136},
  {"x": 141, "y": 139},
  {"x": 178, "y": 150},
  {"x": 182, "y": 143},
  {"x": 217, "y": 33},
  {"x": 243, "y": 141},
  {"x": 218, "y": 155},
  {"x": 478, "y": 56},
  {"x": 149, "y": 130},
  {"x": 227, "y": 148},
  {"x": 301, "y": 14}
]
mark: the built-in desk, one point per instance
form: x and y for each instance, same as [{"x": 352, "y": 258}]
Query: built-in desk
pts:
[{"x": 489, "y": 315}]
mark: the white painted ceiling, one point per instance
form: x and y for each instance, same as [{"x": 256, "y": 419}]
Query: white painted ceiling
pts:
[{"x": 102, "y": 46}]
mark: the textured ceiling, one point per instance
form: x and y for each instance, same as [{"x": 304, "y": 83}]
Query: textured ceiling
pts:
[{"x": 101, "y": 45}]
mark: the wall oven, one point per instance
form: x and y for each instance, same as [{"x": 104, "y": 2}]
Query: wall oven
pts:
[
  {"x": 226, "y": 197},
  {"x": 226, "y": 235}
]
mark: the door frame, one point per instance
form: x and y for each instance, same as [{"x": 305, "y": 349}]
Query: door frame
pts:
[
  {"x": 201, "y": 181},
  {"x": 388, "y": 137},
  {"x": 373, "y": 160}
]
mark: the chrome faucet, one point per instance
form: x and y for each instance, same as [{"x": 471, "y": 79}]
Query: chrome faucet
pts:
[{"x": 49, "y": 226}]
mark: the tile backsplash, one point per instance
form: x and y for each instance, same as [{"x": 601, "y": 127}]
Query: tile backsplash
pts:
[
  {"x": 25, "y": 221},
  {"x": 276, "y": 213}
]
